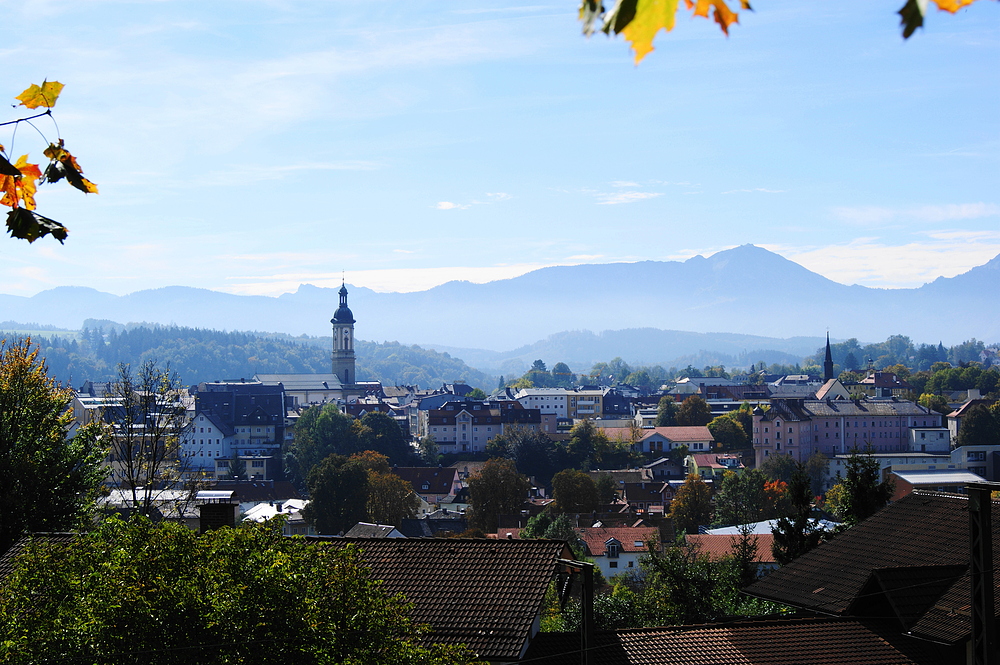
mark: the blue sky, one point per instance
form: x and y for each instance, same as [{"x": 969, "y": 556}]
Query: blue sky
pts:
[{"x": 251, "y": 146}]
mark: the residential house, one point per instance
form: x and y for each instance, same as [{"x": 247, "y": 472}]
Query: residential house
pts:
[
  {"x": 648, "y": 498},
  {"x": 617, "y": 549},
  {"x": 954, "y": 419},
  {"x": 432, "y": 484},
  {"x": 718, "y": 546},
  {"x": 290, "y": 509},
  {"x": 367, "y": 530},
  {"x": 661, "y": 439},
  {"x": 469, "y": 426},
  {"x": 712, "y": 465}
]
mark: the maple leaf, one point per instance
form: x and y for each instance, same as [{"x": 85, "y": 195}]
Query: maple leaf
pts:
[
  {"x": 651, "y": 16},
  {"x": 31, "y": 226},
  {"x": 6, "y": 168},
  {"x": 44, "y": 95},
  {"x": 724, "y": 16},
  {"x": 20, "y": 189},
  {"x": 64, "y": 165},
  {"x": 913, "y": 12}
]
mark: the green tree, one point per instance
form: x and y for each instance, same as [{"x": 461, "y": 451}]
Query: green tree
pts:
[
  {"x": 48, "y": 480},
  {"x": 585, "y": 442},
  {"x": 338, "y": 493},
  {"x": 741, "y": 498},
  {"x": 796, "y": 534},
  {"x": 666, "y": 412},
  {"x": 498, "y": 489},
  {"x": 607, "y": 488},
  {"x": 379, "y": 432},
  {"x": 694, "y": 411},
  {"x": 862, "y": 492},
  {"x": 817, "y": 467},
  {"x": 237, "y": 468},
  {"x": 728, "y": 433},
  {"x": 390, "y": 499},
  {"x": 979, "y": 427},
  {"x": 319, "y": 432},
  {"x": 430, "y": 453},
  {"x": 574, "y": 492},
  {"x": 778, "y": 467},
  {"x": 532, "y": 451},
  {"x": 691, "y": 505},
  {"x": 138, "y": 592},
  {"x": 476, "y": 393}
]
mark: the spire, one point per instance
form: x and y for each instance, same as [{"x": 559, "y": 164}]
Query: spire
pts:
[{"x": 828, "y": 362}]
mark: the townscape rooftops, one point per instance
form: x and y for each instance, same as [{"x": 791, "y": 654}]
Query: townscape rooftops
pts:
[
  {"x": 438, "y": 480},
  {"x": 795, "y": 410},
  {"x": 482, "y": 593},
  {"x": 921, "y": 530},
  {"x": 302, "y": 381},
  {"x": 829, "y": 641},
  {"x": 717, "y": 546}
]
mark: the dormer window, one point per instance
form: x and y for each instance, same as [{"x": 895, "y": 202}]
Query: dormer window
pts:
[{"x": 614, "y": 548}]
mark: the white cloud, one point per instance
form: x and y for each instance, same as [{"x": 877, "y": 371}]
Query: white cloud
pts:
[
  {"x": 874, "y": 215},
  {"x": 756, "y": 189},
  {"x": 875, "y": 263},
  {"x": 448, "y": 205},
  {"x": 623, "y": 183},
  {"x": 626, "y": 197}
]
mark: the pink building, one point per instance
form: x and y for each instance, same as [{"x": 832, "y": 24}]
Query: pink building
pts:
[{"x": 800, "y": 427}]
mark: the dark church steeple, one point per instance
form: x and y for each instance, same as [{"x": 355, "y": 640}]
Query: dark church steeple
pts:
[
  {"x": 343, "y": 340},
  {"x": 828, "y": 362}
]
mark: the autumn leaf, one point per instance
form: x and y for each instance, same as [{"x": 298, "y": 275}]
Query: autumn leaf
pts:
[
  {"x": 913, "y": 12},
  {"x": 64, "y": 165},
  {"x": 31, "y": 226},
  {"x": 724, "y": 16},
  {"x": 651, "y": 16},
  {"x": 19, "y": 190},
  {"x": 44, "y": 95}
]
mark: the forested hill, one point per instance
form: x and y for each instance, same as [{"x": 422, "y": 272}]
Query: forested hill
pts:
[{"x": 198, "y": 355}]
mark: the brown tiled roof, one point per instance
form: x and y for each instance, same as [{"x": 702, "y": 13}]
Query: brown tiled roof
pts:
[
  {"x": 439, "y": 480},
  {"x": 922, "y": 539},
  {"x": 717, "y": 546},
  {"x": 482, "y": 593},
  {"x": 775, "y": 642},
  {"x": 597, "y": 537}
]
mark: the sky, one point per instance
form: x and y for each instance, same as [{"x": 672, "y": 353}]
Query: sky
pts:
[{"x": 255, "y": 145}]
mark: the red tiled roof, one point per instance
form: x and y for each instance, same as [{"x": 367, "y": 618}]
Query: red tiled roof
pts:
[
  {"x": 775, "y": 642},
  {"x": 597, "y": 537},
  {"x": 717, "y": 546},
  {"x": 482, "y": 593},
  {"x": 678, "y": 434}
]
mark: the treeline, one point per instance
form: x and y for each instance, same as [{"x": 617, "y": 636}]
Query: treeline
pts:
[
  {"x": 897, "y": 350},
  {"x": 198, "y": 355}
]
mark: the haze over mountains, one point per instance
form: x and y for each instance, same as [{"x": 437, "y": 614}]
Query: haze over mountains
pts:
[{"x": 748, "y": 292}]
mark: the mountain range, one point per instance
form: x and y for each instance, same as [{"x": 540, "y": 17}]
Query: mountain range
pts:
[{"x": 755, "y": 296}]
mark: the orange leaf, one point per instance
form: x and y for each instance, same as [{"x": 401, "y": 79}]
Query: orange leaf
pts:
[
  {"x": 64, "y": 165},
  {"x": 20, "y": 188},
  {"x": 44, "y": 95},
  {"x": 723, "y": 15},
  {"x": 952, "y": 6}
]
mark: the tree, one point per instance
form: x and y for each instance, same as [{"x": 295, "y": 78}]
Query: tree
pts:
[
  {"x": 935, "y": 403},
  {"x": 691, "y": 505},
  {"x": 728, "y": 433},
  {"x": 319, "y": 432},
  {"x": 379, "y": 432},
  {"x": 666, "y": 412},
  {"x": 778, "y": 467},
  {"x": 817, "y": 467},
  {"x": 532, "y": 451},
  {"x": 476, "y": 393},
  {"x": 390, "y": 499},
  {"x": 237, "y": 468},
  {"x": 498, "y": 489},
  {"x": 607, "y": 488},
  {"x": 861, "y": 493},
  {"x": 741, "y": 498},
  {"x": 574, "y": 492},
  {"x": 585, "y": 445},
  {"x": 694, "y": 411},
  {"x": 338, "y": 493},
  {"x": 48, "y": 480},
  {"x": 138, "y": 592},
  {"x": 18, "y": 181},
  {"x": 146, "y": 413},
  {"x": 558, "y": 527},
  {"x": 430, "y": 453},
  {"x": 796, "y": 534},
  {"x": 979, "y": 427}
]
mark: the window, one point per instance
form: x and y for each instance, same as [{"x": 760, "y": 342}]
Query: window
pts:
[{"x": 612, "y": 564}]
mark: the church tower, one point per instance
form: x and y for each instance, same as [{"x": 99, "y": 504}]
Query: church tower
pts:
[
  {"x": 827, "y": 364},
  {"x": 343, "y": 341}
]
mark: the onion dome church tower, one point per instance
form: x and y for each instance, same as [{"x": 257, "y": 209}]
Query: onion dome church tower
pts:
[{"x": 343, "y": 341}]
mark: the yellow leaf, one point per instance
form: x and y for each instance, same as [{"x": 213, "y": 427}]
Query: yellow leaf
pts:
[
  {"x": 19, "y": 191},
  {"x": 651, "y": 16},
  {"x": 64, "y": 165},
  {"x": 952, "y": 6},
  {"x": 45, "y": 95}
]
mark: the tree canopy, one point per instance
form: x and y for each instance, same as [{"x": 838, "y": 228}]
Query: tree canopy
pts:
[
  {"x": 134, "y": 591},
  {"x": 694, "y": 411},
  {"x": 862, "y": 492},
  {"x": 48, "y": 479},
  {"x": 338, "y": 492},
  {"x": 574, "y": 492},
  {"x": 498, "y": 489},
  {"x": 691, "y": 505}
]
